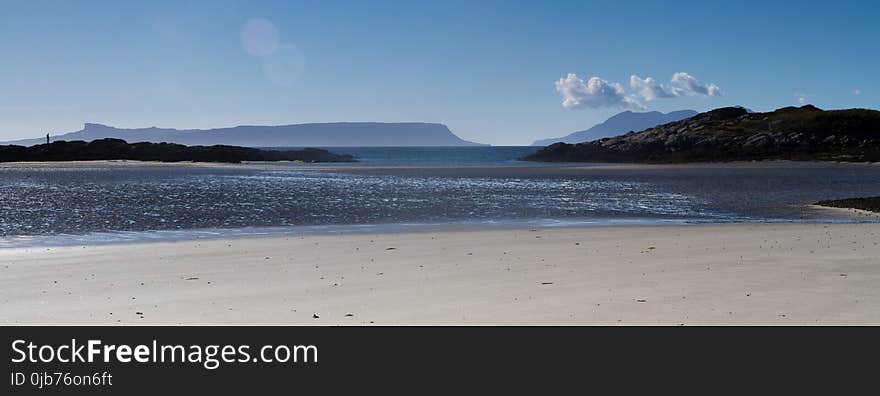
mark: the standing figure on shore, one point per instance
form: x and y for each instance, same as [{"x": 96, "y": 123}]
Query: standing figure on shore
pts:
[{"x": 47, "y": 138}]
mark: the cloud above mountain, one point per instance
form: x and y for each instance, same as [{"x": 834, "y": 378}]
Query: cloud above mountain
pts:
[
  {"x": 594, "y": 93},
  {"x": 804, "y": 98},
  {"x": 689, "y": 85},
  {"x": 597, "y": 92},
  {"x": 649, "y": 89}
]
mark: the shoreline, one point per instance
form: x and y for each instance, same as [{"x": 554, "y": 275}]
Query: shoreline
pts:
[
  {"x": 852, "y": 212},
  {"x": 355, "y": 166},
  {"x": 788, "y": 274},
  {"x": 839, "y": 216}
]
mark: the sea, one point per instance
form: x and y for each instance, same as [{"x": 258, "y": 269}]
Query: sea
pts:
[{"x": 398, "y": 189}]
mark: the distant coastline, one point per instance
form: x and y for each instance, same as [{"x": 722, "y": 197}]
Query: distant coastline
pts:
[
  {"x": 333, "y": 134},
  {"x": 117, "y": 149},
  {"x": 359, "y": 165},
  {"x": 619, "y": 124}
]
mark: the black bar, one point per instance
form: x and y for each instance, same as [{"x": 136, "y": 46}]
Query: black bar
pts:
[{"x": 454, "y": 358}]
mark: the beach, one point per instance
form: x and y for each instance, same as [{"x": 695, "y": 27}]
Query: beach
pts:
[{"x": 738, "y": 274}]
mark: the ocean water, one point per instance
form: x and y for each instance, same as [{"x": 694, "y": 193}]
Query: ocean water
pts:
[
  {"x": 433, "y": 156},
  {"x": 106, "y": 204}
]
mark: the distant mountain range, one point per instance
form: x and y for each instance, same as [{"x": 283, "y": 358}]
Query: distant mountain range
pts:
[
  {"x": 619, "y": 124},
  {"x": 298, "y": 135},
  {"x": 735, "y": 134}
]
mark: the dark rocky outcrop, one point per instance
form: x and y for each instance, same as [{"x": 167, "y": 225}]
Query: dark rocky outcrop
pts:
[
  {"x": 117, "y": 149},
  {"x": 734, "y": 134},
  {"x": 871, "y": 204}
]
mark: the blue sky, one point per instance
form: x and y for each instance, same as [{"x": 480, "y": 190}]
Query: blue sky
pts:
[{"x": 490, "y": 70}]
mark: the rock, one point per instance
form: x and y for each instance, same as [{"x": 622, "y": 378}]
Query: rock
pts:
[
  {"x": 729, "y": 134},
  {"x": 871, "y": 204},
  {"x": 760, "y": 140},
  {"x": 118, "y": 149}
]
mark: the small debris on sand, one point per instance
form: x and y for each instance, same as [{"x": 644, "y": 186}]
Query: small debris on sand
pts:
[
  {"x": 546, "y": 283},
  {"x": 315, "y": 316},
  {"x": 192, "y": 278}
]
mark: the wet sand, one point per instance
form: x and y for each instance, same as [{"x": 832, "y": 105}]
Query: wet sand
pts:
[{"x": 775, "y": 274}]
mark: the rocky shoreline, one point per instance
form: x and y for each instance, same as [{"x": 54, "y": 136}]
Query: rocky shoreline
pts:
[
  {"x": 117, "y": 149},
  {"x": 735, "y": 134},
  {"x": 868, "y": 204}
]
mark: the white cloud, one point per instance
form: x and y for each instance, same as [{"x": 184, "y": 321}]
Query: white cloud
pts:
[
  {"x": 649, "y": 88},
  {"x": 597, "y": 92},
  {"x": 594, "y": 93},
  {"x": 687, "y": 84},
  {"x": 804, "y": 98},
  {"x": 682, "y": 84}
]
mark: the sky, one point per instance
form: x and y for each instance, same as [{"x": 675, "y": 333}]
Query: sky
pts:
[{"x": 497, "y": 72}]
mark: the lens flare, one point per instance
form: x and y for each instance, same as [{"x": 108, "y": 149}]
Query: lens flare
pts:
[
  {"x": 259, "y": 37},
  {"x": 285, "y": 66}
]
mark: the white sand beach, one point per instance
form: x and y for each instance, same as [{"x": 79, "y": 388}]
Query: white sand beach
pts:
[{"x": 779, "y": 274}]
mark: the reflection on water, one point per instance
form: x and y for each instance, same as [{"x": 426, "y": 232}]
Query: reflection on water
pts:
[
  {"x": 79, "y": 201},
  {"x": 434, "y": 156}
]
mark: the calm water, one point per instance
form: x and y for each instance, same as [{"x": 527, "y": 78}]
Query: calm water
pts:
[
  {"x": 434, "y": 156},
  {"x": 102, "y": 204}
]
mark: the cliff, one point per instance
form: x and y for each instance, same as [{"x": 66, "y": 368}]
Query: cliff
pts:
[{"x": 298, "y": 135}]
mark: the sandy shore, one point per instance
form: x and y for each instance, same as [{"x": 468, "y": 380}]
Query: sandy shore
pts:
[{"x": 694, "y": 275}]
